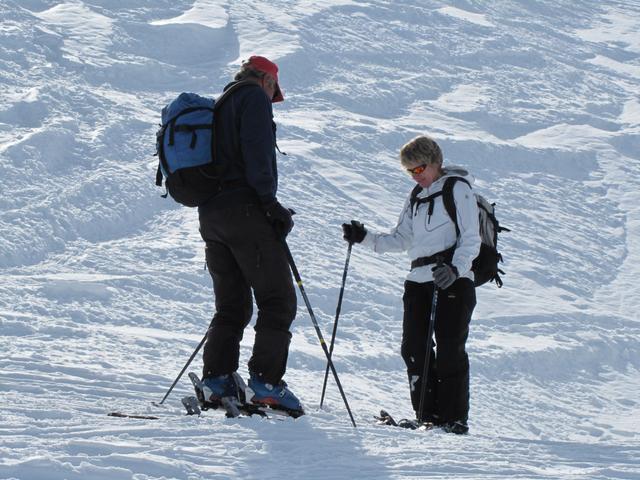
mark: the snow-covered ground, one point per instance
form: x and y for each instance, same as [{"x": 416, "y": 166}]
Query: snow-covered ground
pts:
[{"x": 103, "y": 295}]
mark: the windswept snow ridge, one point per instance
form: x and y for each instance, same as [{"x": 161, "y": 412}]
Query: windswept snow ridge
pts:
[{"x": 103, "y": 294}]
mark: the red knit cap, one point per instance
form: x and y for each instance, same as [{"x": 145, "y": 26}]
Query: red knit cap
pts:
[{"x": 265, "y": 65}]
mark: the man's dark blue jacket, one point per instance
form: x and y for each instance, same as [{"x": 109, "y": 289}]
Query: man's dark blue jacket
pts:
[{"x": 246, "y": 142}]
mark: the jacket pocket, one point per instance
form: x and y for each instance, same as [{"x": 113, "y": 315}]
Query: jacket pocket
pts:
[
  {"x": 433, "y": 224},
  {"x": 432, "y": 219}
]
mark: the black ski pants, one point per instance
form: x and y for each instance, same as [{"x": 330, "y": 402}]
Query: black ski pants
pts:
[
  {"x": 447, "y": 395},
  {"x": 244, "y": 256}
]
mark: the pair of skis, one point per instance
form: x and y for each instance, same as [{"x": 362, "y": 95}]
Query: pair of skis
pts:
[
  {"x": 233, "y": 407},
  {"x": 458, "y": 427},
  {"x": 386, "y": 419}
]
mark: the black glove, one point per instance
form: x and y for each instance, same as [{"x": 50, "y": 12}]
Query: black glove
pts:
[
  {"x": 353, "y": 232},
  {"x": 444, "y": 275},
  {"x": 279, "y": 217}
]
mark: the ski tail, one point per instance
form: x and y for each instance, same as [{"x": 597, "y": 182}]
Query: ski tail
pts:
[{"x": 127, "y": 415}]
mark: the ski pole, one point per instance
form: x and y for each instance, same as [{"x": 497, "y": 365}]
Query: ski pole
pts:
[
  {"x": 185, "y": 367},
  {"x": 335, "y": 322},
  {"x": 427, "y": 357},
  {"x": 296, "y": 275}
]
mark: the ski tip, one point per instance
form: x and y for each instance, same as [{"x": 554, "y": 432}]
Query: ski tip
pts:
[{"x": 385, "y": 419}]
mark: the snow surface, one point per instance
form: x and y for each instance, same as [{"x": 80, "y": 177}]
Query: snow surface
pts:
[{"x": 104, "y": 297}]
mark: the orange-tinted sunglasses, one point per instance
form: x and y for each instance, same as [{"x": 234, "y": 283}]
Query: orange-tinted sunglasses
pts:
[{"x": 417, "y": 170}]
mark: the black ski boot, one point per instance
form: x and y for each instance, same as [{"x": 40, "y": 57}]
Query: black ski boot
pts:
[{"x": 459, "y": 427}]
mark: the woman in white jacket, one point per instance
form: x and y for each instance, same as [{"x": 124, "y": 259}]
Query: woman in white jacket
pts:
[{"x": 427, "y": 232}]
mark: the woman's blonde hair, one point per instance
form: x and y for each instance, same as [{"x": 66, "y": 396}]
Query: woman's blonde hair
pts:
[{"x": 420, "y": 150}]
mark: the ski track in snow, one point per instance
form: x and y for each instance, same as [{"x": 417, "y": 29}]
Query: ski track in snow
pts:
[{"x": 104, "y": 296}]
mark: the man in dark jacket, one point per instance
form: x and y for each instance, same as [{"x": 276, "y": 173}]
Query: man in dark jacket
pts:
[{"x": 244, "y": 227}]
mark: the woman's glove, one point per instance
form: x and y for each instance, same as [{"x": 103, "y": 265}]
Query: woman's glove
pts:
[
  {"x": 353, "y": 232},
  {"x": 444, "y": 275}
]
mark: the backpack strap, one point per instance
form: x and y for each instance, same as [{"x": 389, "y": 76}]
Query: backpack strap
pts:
[
  {"x": 450, "y": 207},
  {"x": 445, "y": 256},
  {"x": 449, "y": 200},
  {"x": 415, "y": 201},
  {"x": 162, "y": 161},
  {"x": 236, "y": 136},
  {"x": 227, "y": 93},
  {"x": 413, "y": 198}
]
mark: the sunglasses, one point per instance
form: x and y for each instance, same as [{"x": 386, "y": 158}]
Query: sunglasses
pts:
[{"x": 417, "y": 170}]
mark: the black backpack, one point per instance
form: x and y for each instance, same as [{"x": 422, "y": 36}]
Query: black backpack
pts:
[{"x": 485, "y": 265}]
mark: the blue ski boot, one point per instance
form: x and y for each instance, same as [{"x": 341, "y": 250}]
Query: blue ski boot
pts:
[
  {"x": 214, "y": 389},
  {"x": 278, "y": 397}
]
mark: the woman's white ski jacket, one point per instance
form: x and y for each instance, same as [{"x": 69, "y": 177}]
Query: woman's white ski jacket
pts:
[{"x": 424, "y": 235}]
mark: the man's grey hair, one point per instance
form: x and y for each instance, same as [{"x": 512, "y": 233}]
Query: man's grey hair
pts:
[{"x": 248, "y": 71}]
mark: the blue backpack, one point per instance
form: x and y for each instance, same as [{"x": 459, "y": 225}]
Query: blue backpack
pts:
[{"x": 185, "y": 145}]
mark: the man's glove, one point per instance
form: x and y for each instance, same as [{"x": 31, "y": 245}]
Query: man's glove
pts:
[
  {"x": 444, "y": 275},
  {"x": 353, "y": 232},
  {"x": 279, "y": 217}
]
